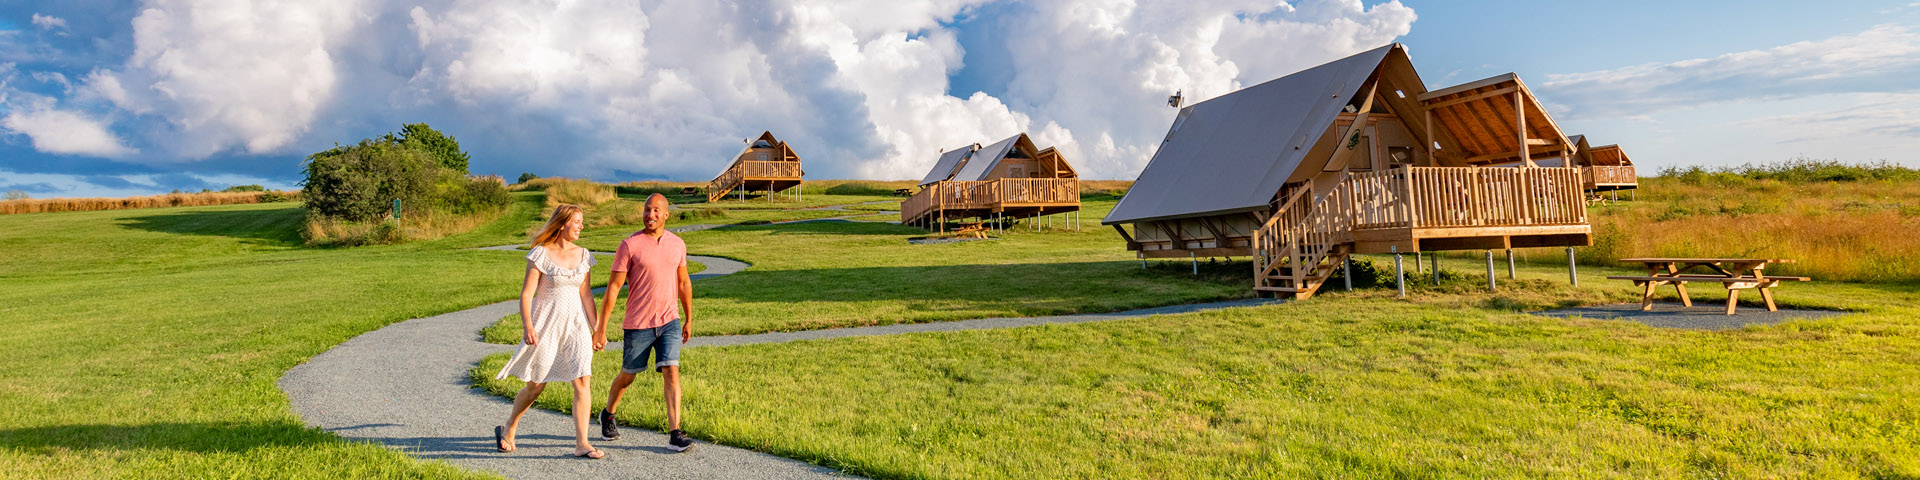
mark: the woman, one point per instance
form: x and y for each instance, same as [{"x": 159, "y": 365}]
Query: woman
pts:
[{"x": 556, "y": 309}]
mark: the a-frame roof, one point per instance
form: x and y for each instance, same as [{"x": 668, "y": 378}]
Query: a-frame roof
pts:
[
  {"x": 1234, "y": 152},
  {"x": 982, "y": 163},
  {"x": 949, "y": 163},
  {"x": 1610, "y": 155},
  {"x": 1481, "y": 116}
]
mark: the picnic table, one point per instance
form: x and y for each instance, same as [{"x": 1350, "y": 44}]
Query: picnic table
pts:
[
  {"x": 903, "y": 192},
  {"x": 975, "y": 230},
  {"x": 1734, "y": 273}
]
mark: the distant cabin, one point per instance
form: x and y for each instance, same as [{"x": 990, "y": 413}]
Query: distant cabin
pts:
[
  {"x": 767, "y": 164},
  {"x": 1602, "y": 169},
  {"x": 1354, "y": 156},
  {"x": 1009, "y": 179}
]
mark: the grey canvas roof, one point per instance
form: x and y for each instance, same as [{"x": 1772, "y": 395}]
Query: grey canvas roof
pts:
[
  {"x": 982, "y": 163},
  {"x": 949, "y": 161},
  {"x": 1234, "y": 152}
]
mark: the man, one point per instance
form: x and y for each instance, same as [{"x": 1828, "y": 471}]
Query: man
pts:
[{"x": 654, "y": 262}]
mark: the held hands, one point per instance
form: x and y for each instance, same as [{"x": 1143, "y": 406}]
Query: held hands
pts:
[{"x": 599, "y": 341}]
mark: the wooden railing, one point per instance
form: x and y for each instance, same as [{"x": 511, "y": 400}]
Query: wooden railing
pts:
[
  {"x": 739, "y": 172},
  {"x": 1038, "y": 190},
  {"x": 961, "y": 195},
  {"x": 1302, "y": 233},
  {"x": 769, "y": 169},
  {"x": 1441, "y": 197},
  {"x": 1609, "y": 175}
]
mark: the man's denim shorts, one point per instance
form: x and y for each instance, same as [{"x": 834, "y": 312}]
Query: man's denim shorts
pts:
[{"x": 664, "y": 340}]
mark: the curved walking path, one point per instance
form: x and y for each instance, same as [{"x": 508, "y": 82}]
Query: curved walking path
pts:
[{"x": 406, "y": 386}]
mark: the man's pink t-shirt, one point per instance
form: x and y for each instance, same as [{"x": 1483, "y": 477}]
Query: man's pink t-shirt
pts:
[{"x": 652, "y": 266}]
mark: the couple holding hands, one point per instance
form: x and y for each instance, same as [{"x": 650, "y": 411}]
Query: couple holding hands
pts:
[{"x": 562, "y": 329}]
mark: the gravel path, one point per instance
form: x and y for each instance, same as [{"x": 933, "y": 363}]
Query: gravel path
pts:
[
  {"x": 406, "y": 386},
  {"x": 1701, "y": 316}
]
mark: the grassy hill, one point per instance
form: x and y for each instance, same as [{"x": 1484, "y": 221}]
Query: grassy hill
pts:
[{"x": 147, "y": 343}]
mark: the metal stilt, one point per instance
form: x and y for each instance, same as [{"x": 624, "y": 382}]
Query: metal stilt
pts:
[
  {"x": 1491, "y": 286},
  {"x": 1572, "y": 271},
  {"x": 1399, "y": 273}
]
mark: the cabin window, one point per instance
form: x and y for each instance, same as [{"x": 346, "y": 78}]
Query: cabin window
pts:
[
  {"x": 1399, "y": 155},
  {"x": 764, "y": 156},
  {"x": 1017, "y": 171}
]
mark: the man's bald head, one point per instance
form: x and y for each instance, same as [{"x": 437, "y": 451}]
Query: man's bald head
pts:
[{"x": 654, "y": 213}]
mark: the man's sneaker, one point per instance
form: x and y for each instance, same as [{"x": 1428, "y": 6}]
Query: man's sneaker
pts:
[
  {"x": 678, "y": 440},
  {"x": 608, "y": 428}
]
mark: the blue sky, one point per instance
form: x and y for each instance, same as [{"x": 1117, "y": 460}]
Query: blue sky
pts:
[{"x": 111, "y": 98}]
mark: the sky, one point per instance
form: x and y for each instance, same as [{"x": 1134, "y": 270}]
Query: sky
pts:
[{"x": 133, "y": 97}]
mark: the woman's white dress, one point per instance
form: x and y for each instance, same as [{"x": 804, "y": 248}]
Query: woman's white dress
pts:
[{"x": 565, "y": 349}]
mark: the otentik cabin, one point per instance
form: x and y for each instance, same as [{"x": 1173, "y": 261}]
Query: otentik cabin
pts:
[
  {"x": 1354, "y": 156},
  {"x": 767, "y": 163},
  {"x": 1009, "y": 179}
]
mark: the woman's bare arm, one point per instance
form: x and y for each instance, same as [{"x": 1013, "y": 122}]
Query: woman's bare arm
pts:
[{"x": 527, "y": 289}]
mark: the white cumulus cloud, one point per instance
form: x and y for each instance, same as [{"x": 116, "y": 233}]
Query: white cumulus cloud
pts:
[
  {"x": 64, "y": 132},
  {"x": 49, "y": 22},
  {"x": 1883, "y": 58}
]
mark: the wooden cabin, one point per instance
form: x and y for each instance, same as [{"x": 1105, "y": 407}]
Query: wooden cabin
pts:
[
  {"x": 1009, "y": 179},
  {"x": 766, "y": 163},
  {"x": 1354, "y": 156},
  {"x": 1608, "y": 168},
  {"x": 1602, "y": 169}
]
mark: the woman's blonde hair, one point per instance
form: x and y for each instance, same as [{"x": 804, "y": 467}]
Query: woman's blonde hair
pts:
[{"x": 551, "y": 233}]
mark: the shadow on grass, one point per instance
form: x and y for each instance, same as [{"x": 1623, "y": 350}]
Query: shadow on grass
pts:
[
  {"x": 275, "y": 227},
  {"x": 210, "y": 437},
  {"x": 1045, "y": 286},
  {"x": 828, "y": 226}
]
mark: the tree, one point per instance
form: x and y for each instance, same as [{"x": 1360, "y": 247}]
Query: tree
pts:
[
  {"x": 441, "y": 147},
  {"x": 17, "y": 195},
  {"x": 527, "y": 177}
]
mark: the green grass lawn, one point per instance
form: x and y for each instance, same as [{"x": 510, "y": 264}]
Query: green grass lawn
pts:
[
  {"x": 840, "y": 274},
  {"x": 147, "y": 342},
  {"x": 1452, "y": 382}
]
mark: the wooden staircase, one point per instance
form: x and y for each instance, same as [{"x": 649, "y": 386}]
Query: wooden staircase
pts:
[
  {"x": 1304, "y": 241},
  {"x": 720, "y": 187}
]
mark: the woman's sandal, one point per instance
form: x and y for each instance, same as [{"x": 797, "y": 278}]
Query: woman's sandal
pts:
[
  {"x": 500, "y": 439},
  {"x": 594, "y": 454}
]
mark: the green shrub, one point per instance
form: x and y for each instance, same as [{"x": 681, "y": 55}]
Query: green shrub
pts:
[
  {"x": 444, "y": 149},
  {"x": 526, "y": 177},
  {"x": 245, "y": 188},
  {"x": 348, "y": 187},
  {"x": 859, "y": 188},
  {"x": 1797, "y": 170}
]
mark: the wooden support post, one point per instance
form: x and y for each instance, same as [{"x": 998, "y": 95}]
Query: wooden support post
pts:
[
  {"x": 1572, "y": 276},
  {"x": 1399, "y": 274},
  {"x": 1418, "y": 259},
  {"x": 1491, "y": 286},
  {"x": 1429, "y": 138},
  {"x": 1520, "y": 126},
  {"x": 1510, "y": 264}
]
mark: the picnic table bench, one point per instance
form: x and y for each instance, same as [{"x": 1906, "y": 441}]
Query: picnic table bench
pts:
[
  {"x": 903, "y": 192},
  {"x": 690, "y": 191},
  {"x": 1735, "y": 274},
  {"x": 975, "y": 230}
]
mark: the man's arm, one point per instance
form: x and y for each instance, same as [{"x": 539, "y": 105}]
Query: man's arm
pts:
[{"x": 686, "y": 304}]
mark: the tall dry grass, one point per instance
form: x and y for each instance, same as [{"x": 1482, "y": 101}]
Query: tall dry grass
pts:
[
  {"x": 584, "y": 193},
  {"x": 424, "y": 225},
  {"x": 1852, "y": 231},
  {"x": 56, "y": 205}
]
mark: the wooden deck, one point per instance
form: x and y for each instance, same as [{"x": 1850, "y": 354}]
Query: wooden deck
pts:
[
  {"x": 773, "y": 176},
  {"x": 1018, "y": 197},
  {"x": 1609, "y": 177},
  {"x": 1405, "y": 209}
]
